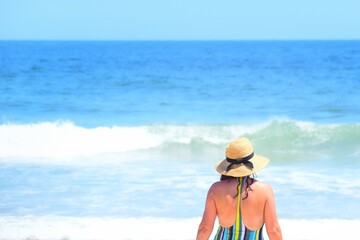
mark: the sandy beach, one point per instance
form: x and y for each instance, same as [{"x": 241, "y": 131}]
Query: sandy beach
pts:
[{"x": 50, "y": 228}]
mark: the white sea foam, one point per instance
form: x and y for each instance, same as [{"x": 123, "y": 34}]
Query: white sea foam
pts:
[
  {"x": 311, "y": 179},
  {"x": 64, "y": 139},
  {"x": 57, "y": 228}
]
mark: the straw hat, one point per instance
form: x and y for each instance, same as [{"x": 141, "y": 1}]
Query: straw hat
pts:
[{"x": 240, "y": 159}]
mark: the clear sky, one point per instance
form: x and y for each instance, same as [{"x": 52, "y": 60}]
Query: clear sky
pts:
[{"x": 179, "y": 19}]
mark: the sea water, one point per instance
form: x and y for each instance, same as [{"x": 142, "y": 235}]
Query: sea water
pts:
[{"x": 107, "y": 133}]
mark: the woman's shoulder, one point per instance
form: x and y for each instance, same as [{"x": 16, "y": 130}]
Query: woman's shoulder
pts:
[
  {"x": 262, "y": 186},
  {"x": 257, "y": 184},
  {"x": 220, "y": 186}
]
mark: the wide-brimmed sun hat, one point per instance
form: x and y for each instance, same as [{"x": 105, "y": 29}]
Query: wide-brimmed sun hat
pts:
[{"x": 240, "y": 159}]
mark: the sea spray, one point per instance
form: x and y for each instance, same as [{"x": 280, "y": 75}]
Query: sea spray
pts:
[{"x": 277, "y": 138}]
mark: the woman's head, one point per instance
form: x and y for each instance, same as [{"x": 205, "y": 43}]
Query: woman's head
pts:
[{"x": 240, "y": 159}]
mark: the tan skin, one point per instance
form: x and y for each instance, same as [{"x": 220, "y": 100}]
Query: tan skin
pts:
[{"x": 257, "y": 208}]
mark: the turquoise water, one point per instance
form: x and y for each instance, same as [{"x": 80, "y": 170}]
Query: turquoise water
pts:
[
  {"x": 135, "y": 83},
  {"x": 133, "y": 129}
]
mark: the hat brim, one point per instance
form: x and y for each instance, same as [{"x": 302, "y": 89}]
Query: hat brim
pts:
[{"x": 240, "y": 170}]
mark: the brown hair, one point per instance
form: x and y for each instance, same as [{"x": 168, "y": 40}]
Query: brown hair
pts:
[{"x": 249, "y": 181}]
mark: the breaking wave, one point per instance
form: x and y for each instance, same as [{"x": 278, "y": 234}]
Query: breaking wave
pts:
[{"x": 64, "y": 139}]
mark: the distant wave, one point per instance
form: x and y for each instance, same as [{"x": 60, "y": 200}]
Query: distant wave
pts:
[{"x": 64, "y": 139}]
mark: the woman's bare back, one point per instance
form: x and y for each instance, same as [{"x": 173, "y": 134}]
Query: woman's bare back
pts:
[
  {"x": 253, "y": 200},
  {"x": 257, "y": 198}
]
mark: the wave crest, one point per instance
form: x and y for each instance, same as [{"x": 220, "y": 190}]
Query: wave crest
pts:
[{"x": 64, "y": 139}]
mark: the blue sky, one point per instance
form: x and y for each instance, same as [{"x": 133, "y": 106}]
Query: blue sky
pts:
[{"x": 179, "y": 19}]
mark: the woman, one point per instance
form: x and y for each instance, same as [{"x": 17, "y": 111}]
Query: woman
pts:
[{"x": 241, "y": 203}]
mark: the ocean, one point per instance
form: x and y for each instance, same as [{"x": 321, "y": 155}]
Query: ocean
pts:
[{"x": 97, "y": 136}]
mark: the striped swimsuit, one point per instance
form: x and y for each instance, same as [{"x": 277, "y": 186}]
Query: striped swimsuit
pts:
[{"x": 238, "y": 231}]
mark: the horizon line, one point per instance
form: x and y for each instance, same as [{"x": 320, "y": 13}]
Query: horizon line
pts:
[{"x": 181, "y": 40}]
